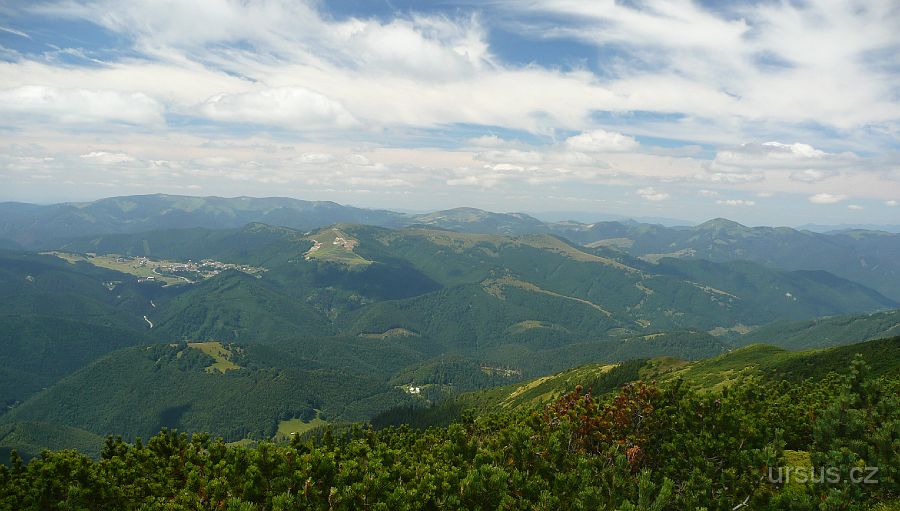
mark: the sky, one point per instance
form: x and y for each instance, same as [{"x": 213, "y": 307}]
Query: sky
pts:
[{"x": 769, "y": 112}]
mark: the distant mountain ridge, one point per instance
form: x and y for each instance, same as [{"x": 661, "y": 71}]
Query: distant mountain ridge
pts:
[
  {"x": 32, "y": 225},
  {"x": 869, "y": 257}
]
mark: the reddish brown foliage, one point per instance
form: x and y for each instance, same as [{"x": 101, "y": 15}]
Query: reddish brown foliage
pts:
[{"x": 624, "y": 421}]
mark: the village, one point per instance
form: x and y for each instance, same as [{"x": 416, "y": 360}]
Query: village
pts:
[
  {"x": 169, "y": 272},
  {"x": 189, "y": 271}
]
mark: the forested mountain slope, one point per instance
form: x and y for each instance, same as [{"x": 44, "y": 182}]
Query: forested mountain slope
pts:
[
  {"x": 557, "y": 445},
  {"x": 426, "y": 281},
  {"x": 824, "y": 332},
  {"x": 139, "y": 390},
  {"x": 362, "y": 317},
  {"x": 868, "y": 257}
]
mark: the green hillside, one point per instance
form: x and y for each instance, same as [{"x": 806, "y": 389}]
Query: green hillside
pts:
[
  {"x": 769, "y": 363},
  {"x": 36, "y": 351},
  {"x": 236, "y": 307},
  {"x": 871, "y": 258},
  {"x": 675, "y": 295},
  {"x": 829, "y": 331},
  {"x": 581, "y": 439},
  {"x": 137, "y": 391},
  {"x": 28, "y": 439},
  {"x": 372, "y": 319},
  {"x": 32, "y": 284},
  {"x": 412, "y": 262}
]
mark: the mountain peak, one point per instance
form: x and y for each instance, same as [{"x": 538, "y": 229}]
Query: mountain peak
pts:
[{"x": 721, "y": 224}]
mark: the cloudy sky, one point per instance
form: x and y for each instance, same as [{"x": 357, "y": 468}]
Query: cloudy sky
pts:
[{"x": 764, "y": 112}]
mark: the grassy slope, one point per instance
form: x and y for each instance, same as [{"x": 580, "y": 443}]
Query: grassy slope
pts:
[
  {"x": 882, "y": 355},
  {"x": 823, "y": 332}
]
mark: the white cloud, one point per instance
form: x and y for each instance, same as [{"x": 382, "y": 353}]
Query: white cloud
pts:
[
  {"x": 511, "y": 155},
  {"x": 776, "y": 155},
  {"x": 710, "y": 79},
  {"x": 487, "y": 177},
  {"x": 80, "y": 106},
  {"x": 826, "y": 198},
  {"x": 765, "y": 195},
  {"x": 811, "y": 175},
  {"x": 601, "y": 141},
  {"x": 15, "y": 32},
  {"x": 729, "y": 177},
  {"x": 708, "y": 193},
  {"x": 855, "y": 207},
  {"x": 488, "y": 141},
  {"x": 293, "y": 107},
  {"x": 890, "y": 203},
  {"x": 357, "y": 159},
  {"x": 794, "y": 62},
  {"x": 652, "y": 194},
  {"x": 107, "y": 158},
  {"x": 735, "y": 202},
  {"x": 680, "y": 58},
  {"x": 315, "y": 158}
]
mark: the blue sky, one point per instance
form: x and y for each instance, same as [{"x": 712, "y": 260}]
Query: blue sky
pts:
[{"x": 763, "y": 112}]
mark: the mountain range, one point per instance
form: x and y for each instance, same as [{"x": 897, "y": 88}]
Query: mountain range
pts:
[
  {"x": 869, "y": 257},
  {"x": 262, "y": 317}
]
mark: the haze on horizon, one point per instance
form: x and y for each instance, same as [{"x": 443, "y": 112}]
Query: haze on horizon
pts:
[{"x": 766, "y": 113}]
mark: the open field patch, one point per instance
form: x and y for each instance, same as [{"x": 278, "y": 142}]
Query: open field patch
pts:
[
  {"x": 217, "y": 351},
  {"x": 393, "y": 332},
  {"x": 336, "y": 246},
  {"x": 290, "y": 427}
]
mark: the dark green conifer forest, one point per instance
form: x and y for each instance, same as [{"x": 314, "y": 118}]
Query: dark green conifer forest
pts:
[{"x": 645, "y": 445}]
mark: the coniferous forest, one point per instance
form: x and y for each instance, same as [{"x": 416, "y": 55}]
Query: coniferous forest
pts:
[{"x": 829, "y": 442}]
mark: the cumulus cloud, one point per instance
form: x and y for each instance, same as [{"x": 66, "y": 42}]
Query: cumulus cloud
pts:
[
  {"x": 601, "y": 141},
  {"x": 292, "y": 107},
  {"x": 890, "y": 203},
  {"x": 707, "y": 193},
  {"x": 708, "y": 78},
  {"x": 855, "y": 207},
  {"x": 776, "y": 155},
  {"x": 735, "y": 202},
  {"x": 80, "y": 106},
  {"x": 826, "y": 198},
  {"x": 652, "y": 194}
]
